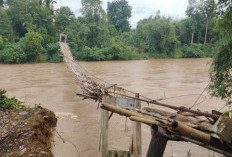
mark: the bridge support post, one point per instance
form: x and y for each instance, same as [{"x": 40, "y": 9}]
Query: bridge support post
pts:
[
  {"x": 136, "y": 139},
  {"x": 65, "y": 37},
  {"x": 135, "y": 148},
  {"x": 104, "y": 133},
  {"x": 158, "y": 142}
]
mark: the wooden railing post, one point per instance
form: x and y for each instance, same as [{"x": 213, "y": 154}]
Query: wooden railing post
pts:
[
  {"x": 104, "y": 133},
  {"x": 136, "y": 140}
]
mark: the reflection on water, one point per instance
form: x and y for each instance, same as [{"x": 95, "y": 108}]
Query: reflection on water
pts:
[{"x": 54, "y": 87}]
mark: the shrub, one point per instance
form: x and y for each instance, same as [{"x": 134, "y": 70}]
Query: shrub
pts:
[
  {"x": 88, "y": 54},
  {"x": 1, "y": 43},
  {"x": 192, "y": 51},
  {"x": 33, "y": 46},
  {"x": 13, "y": 53},
  {"x": 52, "y": 48},
  {"x": 8, "y": 103}
]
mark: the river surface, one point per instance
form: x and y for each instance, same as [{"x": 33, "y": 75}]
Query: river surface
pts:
[{"x": 53, "y": 86}]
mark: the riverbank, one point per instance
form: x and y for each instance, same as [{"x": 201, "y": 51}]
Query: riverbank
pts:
[{"x": 25, "y": 131}]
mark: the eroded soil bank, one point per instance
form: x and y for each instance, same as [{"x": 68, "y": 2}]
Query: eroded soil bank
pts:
[{"x": 26, "y": 132}]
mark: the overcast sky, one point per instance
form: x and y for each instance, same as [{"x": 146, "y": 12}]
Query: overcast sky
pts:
[{"x": 140, "y": 8}]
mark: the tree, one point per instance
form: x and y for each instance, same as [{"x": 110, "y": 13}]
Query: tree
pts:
[
  {"x": 19, "y": 16},
  {"x": 63, "y": 18},
  {"x": 33, "y": 46},
  {"x": 201, "y": 14},
  {"x": 1, "y": 3},
  {"x": 157, "y": 36},
  {"x": 95, "y": 21},
  {"x": 5, "y": 27},
  {"x": 119, "y": 13},
  {"x": 92, "y": 7},
  {"x": 208, "y": 8},
  {"x": 49, "y": 5},
  {"x": 221, "y": 68},
  {"x": 196, "y": 19}
]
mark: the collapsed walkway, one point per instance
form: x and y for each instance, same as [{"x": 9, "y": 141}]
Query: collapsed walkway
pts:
[{"x": 184, "y": 125}]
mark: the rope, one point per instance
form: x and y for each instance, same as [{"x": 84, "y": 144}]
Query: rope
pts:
[
  {"x": 195, "y": 103},
  {"x": 94, "y": 89}
]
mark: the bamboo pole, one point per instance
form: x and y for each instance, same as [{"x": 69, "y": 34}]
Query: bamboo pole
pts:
[
  {"x": 120, "y": 110},
  {"x": 192, "y": 133},
  {"x": 202, "y": 125},
  {"x": 179, "y": 130},
  {"x": 179, "y": 127},
  {"x": 182, "y": 108},
  {"x": 148, "y": 121}
]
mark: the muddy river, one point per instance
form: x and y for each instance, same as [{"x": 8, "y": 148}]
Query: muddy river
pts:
[{"x": 54, "y": 87}]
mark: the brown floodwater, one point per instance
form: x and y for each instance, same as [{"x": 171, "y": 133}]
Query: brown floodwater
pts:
[{"x": 53, "y": 86}]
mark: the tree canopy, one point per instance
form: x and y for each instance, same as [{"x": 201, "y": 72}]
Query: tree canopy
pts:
[
  {"x": 29, "y": 30},
  {"x": 119, "y": 13},
  {"x": 100, "y": 35},
  {"x": 221, "y": 68}
]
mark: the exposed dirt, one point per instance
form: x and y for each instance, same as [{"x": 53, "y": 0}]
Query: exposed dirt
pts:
[{"x": 26, "y": 132}]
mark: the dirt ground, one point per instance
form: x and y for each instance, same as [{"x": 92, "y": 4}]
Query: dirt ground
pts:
[{"x": 26, "y": 132}]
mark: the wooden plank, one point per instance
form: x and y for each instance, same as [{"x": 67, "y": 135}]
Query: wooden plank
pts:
[
  {"x": 104, "y": 133},
  {"x": 104, "y": 130},
  {"x": 118, "y": 101},
  {"x": 116, "y": 153},
  {"x": 136, "y": 139},
  {"x": 223, "y": 128}
]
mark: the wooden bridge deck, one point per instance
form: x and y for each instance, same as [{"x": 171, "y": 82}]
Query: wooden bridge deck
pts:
[{"x": 165, "y": 125}]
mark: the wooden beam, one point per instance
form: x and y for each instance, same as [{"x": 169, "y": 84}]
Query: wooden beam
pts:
[
  {"x": 114, "y": 153},
  {"x": 104, "y": 133},
  {"x": 136, "y": 139},
  {"x": 202, "y": 125},
  {"x": 157, "y": 144}
]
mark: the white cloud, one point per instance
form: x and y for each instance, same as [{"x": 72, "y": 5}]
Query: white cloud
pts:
[{"x": 140, "y": 8}]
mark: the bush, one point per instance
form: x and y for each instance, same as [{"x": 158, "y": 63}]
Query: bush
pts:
[
  {"x": 13, "y": 53},
  {"x": 193, "y": 51},
  {"x": 52, "y": 48},
  {"x": 33, "y": 46},
  {"x": 118, "y": 51},
  {"x": 51, "y": 53},
  {"x": 1, "y": 43},
  {"x": 127, "y": 53},
  {"x": 88, "y": 54},
  {"x": 115, "y": 51},
  {"x": 209, "y": 50},
  {"x": 8, "y": 103}
]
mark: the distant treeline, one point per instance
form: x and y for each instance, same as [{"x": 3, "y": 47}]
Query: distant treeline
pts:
[{"x": 30, "y": 29}]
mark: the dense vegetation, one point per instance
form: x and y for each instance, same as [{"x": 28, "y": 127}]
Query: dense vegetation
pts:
[
  {"x": 8, "y": 103},
  {"x": 221, "y": 68},
  {"x": 29, "y": 31}
]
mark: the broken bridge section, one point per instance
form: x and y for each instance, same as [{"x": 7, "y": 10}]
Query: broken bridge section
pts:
[{"x": 183, "y": 124}]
